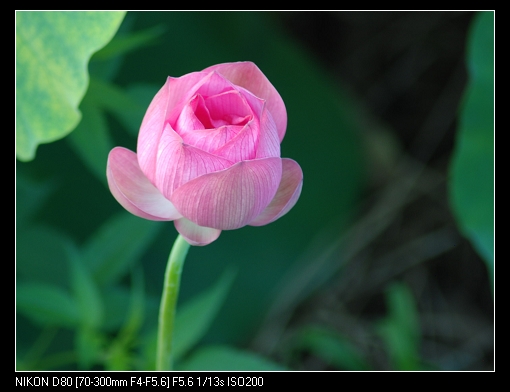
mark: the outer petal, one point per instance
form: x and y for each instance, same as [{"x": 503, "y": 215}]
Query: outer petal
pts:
[
  {"x": 195, "y": 234},
  {"x": 151, "y": 130},
  {"x": 249, "y": 76},
  {"x": 231, "y": 198},
  {"x": 286, "y": 196},
  {"x": 176, "y": 91},
  {"x": 178, "y": 163},
  {"x": 133, "y": 190},
  {"x": 269, "y": 144}
]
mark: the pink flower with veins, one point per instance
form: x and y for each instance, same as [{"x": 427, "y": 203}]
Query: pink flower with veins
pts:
[{"x": 208, "y": 155}]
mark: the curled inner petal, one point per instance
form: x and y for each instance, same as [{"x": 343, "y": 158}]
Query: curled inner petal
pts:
[
  {"x": 192, "y": 116},
  {"x": 228, "y": 108},
  {"x": 248, "y": 75}
]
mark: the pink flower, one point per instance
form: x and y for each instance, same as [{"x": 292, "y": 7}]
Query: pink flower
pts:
[{"x": 208, "y": 155}]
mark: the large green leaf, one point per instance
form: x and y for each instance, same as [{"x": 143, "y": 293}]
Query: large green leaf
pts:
[
  {"x": 472, "y": 168},
  {"x": 52, "y": 53}
]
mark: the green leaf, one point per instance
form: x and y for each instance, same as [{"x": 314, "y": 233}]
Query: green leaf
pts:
[
  {"x": 47, "y": 305},
  {"x": 331, "y": 347},
  {"x": 400, "y": 330},
  {"x": 117, "y": 245},
  {"x": 195, "y": 317},
  {"x": 472, "y": 166},
  {"x": 137, "y": 304},
  {"x": 228, "y": 358},
  {"x": 120, "y": 356},
  {"x": 89, "y": 344},
  {"x": 52, "y": 53}
]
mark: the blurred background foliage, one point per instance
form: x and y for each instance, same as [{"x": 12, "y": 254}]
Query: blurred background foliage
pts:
[{"x": 390, "y": 118}]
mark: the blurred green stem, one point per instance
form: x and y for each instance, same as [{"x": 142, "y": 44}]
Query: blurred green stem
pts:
[{"x": 169, "y": 302}]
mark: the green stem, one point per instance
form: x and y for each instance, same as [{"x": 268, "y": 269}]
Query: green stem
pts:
[{"x": 168, "y": 303}]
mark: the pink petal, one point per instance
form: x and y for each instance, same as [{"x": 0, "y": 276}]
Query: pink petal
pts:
[
  {"x": 243, "y": 146},
  {"x": 210, "y": 140},
  {"x": 268, "y": 143},
  {"x": 182, "y": 89},
  {"x": 195, "y": 234},
  {"x": 255, "y": 103},
  {"x": 286, "y": 196},
  {"x": 213, "y": 84},
  {"x": 133, "y": 190},
  {"x": 230, "y": 199},
  {"x": 249, "y": 76},
  {"x": 188, "y": 120},
  {"x": 151, "y": 130},
  {"x": 269, "y": 140},
  {"x": 228, "y": 108},
  {"x": 176, "y": 91},
  {"x": 179, "y": 163}
]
